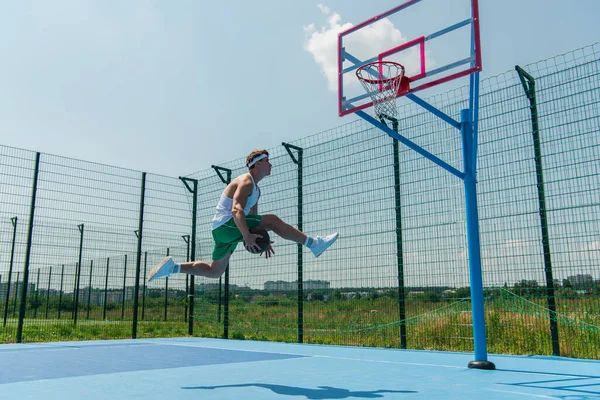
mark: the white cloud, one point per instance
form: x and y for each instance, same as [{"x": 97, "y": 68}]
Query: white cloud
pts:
[
  {"x": 322, "y": 44},
  {"x": 324, "y": 9},
  {"x": 364, "y": 44}
]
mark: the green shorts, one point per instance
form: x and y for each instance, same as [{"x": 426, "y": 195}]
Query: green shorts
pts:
[{"x": 227, "y": 236}]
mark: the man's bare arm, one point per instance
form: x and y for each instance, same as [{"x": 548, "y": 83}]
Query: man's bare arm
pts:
[{"x": 240, "y": 198}]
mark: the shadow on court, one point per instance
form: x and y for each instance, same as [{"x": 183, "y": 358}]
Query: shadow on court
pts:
[{"x": 322, "y": 393}]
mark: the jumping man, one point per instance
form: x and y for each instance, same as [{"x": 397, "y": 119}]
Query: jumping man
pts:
[{"x": 237, "y": 213}]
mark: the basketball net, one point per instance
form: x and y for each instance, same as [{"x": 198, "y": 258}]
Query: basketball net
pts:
[{"x": 382, "y": 82}]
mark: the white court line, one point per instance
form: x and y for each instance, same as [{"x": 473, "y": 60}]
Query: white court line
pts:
[
  {"x": 369, "y": 360},
  {"x": 541, "y": 396},
  {"x": 392, "y": 362},
  {"x": 331, "y": 357}
]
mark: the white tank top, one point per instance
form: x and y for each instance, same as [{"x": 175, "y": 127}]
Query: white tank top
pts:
[{"x": 225, "y": 206}]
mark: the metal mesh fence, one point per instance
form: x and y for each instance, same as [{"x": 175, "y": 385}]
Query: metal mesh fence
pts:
[
  {"x": 397, "y": 277},
  {"x": 83, "y": 260}
]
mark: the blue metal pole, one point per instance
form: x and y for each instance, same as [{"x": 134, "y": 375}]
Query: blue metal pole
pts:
[
  {"x": 473, "y": 243},
  {"x": 474, "y": 101}
]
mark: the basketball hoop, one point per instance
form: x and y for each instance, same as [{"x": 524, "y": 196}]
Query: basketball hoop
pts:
[{"x": 383, "y": 81}]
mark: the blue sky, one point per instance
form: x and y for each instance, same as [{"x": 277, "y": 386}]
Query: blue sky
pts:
[{"x": 171, "y": 87}]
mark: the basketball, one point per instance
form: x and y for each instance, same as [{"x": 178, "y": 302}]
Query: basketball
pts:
[{"x": 262, "y": 242}]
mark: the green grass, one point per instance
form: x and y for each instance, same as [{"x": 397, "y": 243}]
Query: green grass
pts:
[{"x": 514, "y": 325}]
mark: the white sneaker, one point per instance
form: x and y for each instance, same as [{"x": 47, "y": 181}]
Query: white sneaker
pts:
[
  {"x": 164, "y": 269},
  {"x": 322, "y": 243}
]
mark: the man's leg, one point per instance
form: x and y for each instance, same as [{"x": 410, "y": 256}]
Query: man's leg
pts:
[
  {"x": 317, "y": 245},
  {"x": 201, "y": 268},
  {"x": 272, "y": 222}
]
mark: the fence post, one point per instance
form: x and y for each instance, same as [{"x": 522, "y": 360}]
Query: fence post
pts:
[
  {"x": 87, "y": 316},
  {"x": 23, "y": 305},
  {"x": 16, "y": 295},
  {"x": 226, "y": 181},
  {"x": 145, "y": 289},
  {"x": 192, "y": 289},
  {"x": 138, "y": 261},
  {"x": 192, "y": 250},
  {"x": 528, "y": 83},
  {"x": 399, "y": 248},
  {"x": 186, "y": 239},
  {"x": 48, "y": 293},
  {"x": 105, "y": 290},
  {"x": 10, "y": 267},
  {"x": 60, "y": 293},
  {"x": 78, "y": 275},
  {"x": 298, "y": 162},
  {"x": 124, "y": 283},
  {"x": 37, "y": 295}
]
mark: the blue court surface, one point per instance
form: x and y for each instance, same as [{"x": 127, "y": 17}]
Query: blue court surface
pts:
[{"x": 197, "y": 368}]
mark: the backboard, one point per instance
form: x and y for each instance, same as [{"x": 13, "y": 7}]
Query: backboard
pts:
[{"x": 435, "y": 40}]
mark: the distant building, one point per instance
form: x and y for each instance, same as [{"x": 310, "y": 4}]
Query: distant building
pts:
[
  {"x": 316, "y": 284},
  {"x": 13, "y": 289},
  {"x": 281, "y": 286},
  {"x": 284, "y": 286},
  {"x": 205, "y": 287}
]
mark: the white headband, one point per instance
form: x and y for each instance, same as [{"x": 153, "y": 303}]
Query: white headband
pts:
[{"x": 257, "y": 159}]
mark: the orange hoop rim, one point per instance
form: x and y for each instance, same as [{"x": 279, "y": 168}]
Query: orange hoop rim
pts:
[{"x": 377, "y": 64}]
